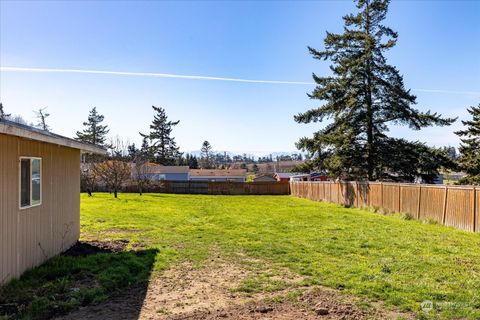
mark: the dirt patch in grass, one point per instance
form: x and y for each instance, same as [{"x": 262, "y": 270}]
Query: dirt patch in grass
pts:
[
  {"x": 86, "y": 248},
  {"x": 211, "y": 292}
]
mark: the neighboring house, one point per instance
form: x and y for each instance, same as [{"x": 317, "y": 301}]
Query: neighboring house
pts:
[
  {"x": 237, "y": 175},
  {"x": 451, "y": 178},
  {"x": 264, "y": 178},
  {"x": 437, "y": 180},
  {"x": 39, "y": 196},
  {"x": 300, "y": 177},
  {"x": 156, "y": 172},
  {"x": 318, "y": 176},
  {"x": 285, "y": 176}
]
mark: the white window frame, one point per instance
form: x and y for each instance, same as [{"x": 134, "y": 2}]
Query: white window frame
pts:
[{"x": 20, "y": 182}]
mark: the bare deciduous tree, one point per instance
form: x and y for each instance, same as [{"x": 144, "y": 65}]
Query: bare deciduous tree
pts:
[
  {"x": 141, "y": 173},
  {"x": 88, "y": 177},
  {"x": 115, "y": 172}
]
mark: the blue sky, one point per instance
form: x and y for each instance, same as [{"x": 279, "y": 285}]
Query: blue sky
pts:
[{"x": 438, "y": 49}]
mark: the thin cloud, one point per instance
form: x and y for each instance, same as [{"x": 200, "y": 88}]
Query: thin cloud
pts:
[{"x": 196, "y": 77}]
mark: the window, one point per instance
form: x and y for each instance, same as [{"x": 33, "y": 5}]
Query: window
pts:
[
  {"x": 30, "y": 182},
  {"x": 160, "y": 177}
]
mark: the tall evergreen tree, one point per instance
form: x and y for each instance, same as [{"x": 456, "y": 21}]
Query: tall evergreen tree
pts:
[
  {"x": 146, "y": 151},
  {"x": 94, "y": 132},
  {"x": 363, "y": 96},
  {"x": 206, "y": 150},
  {"x": 42, "y": 116},
  {"x": 192, "y": 161},
  {"x": 132, "y": 152},
  {"x": 163, "y": 145},
  {"x": 469, "y": 160}
]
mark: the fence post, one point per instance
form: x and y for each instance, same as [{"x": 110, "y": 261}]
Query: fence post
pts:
[
  {"x": 399, "y": 197},
  {"x": 330, "y": 193},
  {"x": 338, "y": 192},
  {"x": 356, "y": 194},
  {"x": 444, "y": 216},
  {"x": 381, "y": 194},
  {"x": 419, "y": 200},
  {"x": 367, "y": 194},
  {"x": 474, "y": 209}
]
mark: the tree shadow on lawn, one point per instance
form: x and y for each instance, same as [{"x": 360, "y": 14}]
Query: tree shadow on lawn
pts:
[{"x": 86, "y": 274}]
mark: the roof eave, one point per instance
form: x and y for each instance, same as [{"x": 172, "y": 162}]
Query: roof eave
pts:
[{"x": 13, "y": 130}]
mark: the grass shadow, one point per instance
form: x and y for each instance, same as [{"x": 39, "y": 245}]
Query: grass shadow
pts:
[{"x": 86, "y": 274}]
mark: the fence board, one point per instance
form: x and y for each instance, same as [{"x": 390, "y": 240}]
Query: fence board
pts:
[
  {"x": 459, "y": 208},
  {"x": 477, "y": 210},
  {"x": 375, "y": 194},
  {"x": 390, "y": 197},
  {"x": 455, "y": 206},
  {"x": 409, "y": 199},
  {"x": 432, "y": 202}
]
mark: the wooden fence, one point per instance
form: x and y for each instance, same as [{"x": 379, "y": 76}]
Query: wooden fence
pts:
[
  {"x": 456, "y": 206},
  {"x": 217, "y": 187}
]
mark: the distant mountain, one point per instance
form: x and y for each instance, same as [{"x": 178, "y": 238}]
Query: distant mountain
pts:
[
  {"x": 198, "y": 153},
  {"x": 255, "y": 155}
]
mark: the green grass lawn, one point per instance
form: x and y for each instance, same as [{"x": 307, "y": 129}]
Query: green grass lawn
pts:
[{"x": 377, "y": 258}]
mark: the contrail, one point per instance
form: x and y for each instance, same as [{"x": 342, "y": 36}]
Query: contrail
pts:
[
  {"x": 149, "y": 74},
  {"x": 447, "y": 91},
  {"x": 196, "y": 77}
]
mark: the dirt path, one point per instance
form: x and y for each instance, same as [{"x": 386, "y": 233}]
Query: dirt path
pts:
[{"x": 185, "y": 292}]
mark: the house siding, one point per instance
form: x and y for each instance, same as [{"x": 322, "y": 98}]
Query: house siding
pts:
[
  {"x": 30, "y": 236},
  {"x": 217, "y": 178},
  {"x": 169, "y": 176},
  {"x": 264, "y": 179},
  {"x": 176, "y": 176}
]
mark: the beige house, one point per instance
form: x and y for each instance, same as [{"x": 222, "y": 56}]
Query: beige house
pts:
[
  {"x": 39, "y": 196},
  {"x": 234, "y": 175}
]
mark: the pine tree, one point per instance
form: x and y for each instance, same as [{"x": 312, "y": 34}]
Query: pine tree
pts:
[
  {"x": 206, "y": 150},
  {"x": 3, "y": 115},
  {"x": 146, "y": 151},
  {"x": 163, "y": 145},
  {"x": 181, "y": 161},
  {"x": 193, "y": 162},
  {"x": 132, "y": 152},
  {"x": 42, "y": 116},
  {"x": 363, "y": 96},
  {"x": 94, "y": 132},
  {"x": 469, "y": 160}
]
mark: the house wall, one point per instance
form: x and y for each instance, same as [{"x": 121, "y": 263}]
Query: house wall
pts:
[
  {"x": 176, "y": 176},
  {"x": 217, "y": 178},
  {"x": 264, "y": 179},
  {"x": 30, "y": 236},
  {"x": 168, "y": 176}
]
